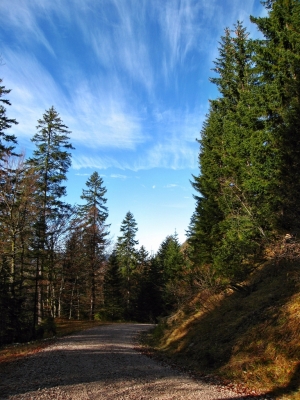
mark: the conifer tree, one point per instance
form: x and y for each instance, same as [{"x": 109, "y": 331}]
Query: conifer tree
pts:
[
  {"x": 204, "y": 231},
  {"x": 278, "y": 60},
  {"x": 7, "y": 141},
  {"x": 240, "y": 228},
  {"x": 126, "y": 251},
  {"x": 94, "y": 213},
  {"x": 127, "y": 258},
  {"x": 214, "y": 233},
  {"x": 51, "y": 160},
  {"x": 113, "y": 297},
  {"x": 249, "y": 155},
  {"x": 171, "y": 262}
]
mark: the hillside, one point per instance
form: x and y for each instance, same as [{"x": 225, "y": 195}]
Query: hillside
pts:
[{"x": 250, "y": 336}]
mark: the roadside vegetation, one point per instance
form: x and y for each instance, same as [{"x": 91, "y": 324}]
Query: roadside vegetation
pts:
[{"x": 248, "y": 336}]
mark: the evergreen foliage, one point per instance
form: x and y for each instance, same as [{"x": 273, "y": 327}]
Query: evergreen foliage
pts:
[
  {"x": 248, "y": 190},
  {"x": 278, "y": 59},
  {"x": 169, "y": 261},
  {"x": 113, "y": 308},
  {"x": 7, "y": 142},
  {"x": 127, "y": 258},
  {"x": 51, "y": 160},
  {"x": 94, "y": 214}
]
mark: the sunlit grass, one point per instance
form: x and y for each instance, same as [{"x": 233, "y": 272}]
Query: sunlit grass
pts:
[{"x": 252, "y": 338}]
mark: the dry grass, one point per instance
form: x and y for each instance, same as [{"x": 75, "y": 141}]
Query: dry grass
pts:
[
  {"x": 64, "y": 327},
  {"x": 251, "y": 337}
]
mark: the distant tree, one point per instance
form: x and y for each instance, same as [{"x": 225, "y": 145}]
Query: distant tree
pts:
[
  {"x": 148, "y": 288},
  {"x": 7, "y": 141},
  {"x": 126, "y": 243},
  {"x": 95, "y": 232},
  {"x": 170, "y": 262},
  {"x": 127, "y": 258},
  {"x": 113, "y": 308}
]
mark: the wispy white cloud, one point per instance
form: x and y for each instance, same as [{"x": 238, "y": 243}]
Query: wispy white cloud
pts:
[
  {"x": 113, "y": 102},
  {"x": 119, "y": 42},
  {"x": 22, "y": 20},
  {"x": 118, "y": 176},
  {"x": 96, "y": 116},
  {"x": 171, "y": 185},
  {"x": 97, "y": 162}
]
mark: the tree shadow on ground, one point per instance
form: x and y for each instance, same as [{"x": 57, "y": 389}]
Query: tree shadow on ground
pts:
[{"x": 291, "y": 388}]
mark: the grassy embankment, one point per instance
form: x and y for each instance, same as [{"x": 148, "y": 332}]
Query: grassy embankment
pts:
[
  {"x": 63, "y": 327},
  {"x": 250, "y": 337}
]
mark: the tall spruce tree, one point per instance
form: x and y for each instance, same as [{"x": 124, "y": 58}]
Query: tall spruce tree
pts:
[
  {"x": 228, "y": 225},
  {"x": 240, "y": 228},
  {"x": 51, "y": 160},
  {"x": 278, "y": 60},
  {"x": 95, "y": 213}
]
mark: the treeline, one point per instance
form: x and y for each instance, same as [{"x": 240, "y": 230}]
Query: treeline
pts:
[
  {"x": 55, "y": 258},
  {"x": 248, "y": 187}
]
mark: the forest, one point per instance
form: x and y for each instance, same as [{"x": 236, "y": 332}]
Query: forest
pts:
[{"x": 55, "y": 258}]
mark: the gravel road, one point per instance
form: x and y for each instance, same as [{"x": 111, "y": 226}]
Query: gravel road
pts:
[{"x": 101, "y": 363}]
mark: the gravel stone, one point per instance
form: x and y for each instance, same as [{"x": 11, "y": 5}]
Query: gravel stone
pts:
[{"x": 101, "y": 363}]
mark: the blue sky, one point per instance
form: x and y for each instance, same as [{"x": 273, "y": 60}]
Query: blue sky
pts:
[{"x": 130, "y": 78}]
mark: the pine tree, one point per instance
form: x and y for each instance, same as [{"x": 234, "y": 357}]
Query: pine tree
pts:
[
  {"x": 126, "y": 243},
  {"x": 51, "y": 160},
  {"x": 278, "y": 60},
  {"x": 113, "y": 298},
  {"x": 7, "y": 141},
  {"x": 221, "y": 211},
  {"x": 127, "y": 259},
  {"x": 248, "y": 189},
  {"x": 170, "y": 261},
  {"x": 240, "y": 180},
  {"x": 94, "y": 214}
]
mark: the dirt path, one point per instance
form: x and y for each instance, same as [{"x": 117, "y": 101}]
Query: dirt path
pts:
[{"x": 100, "y": 363}]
